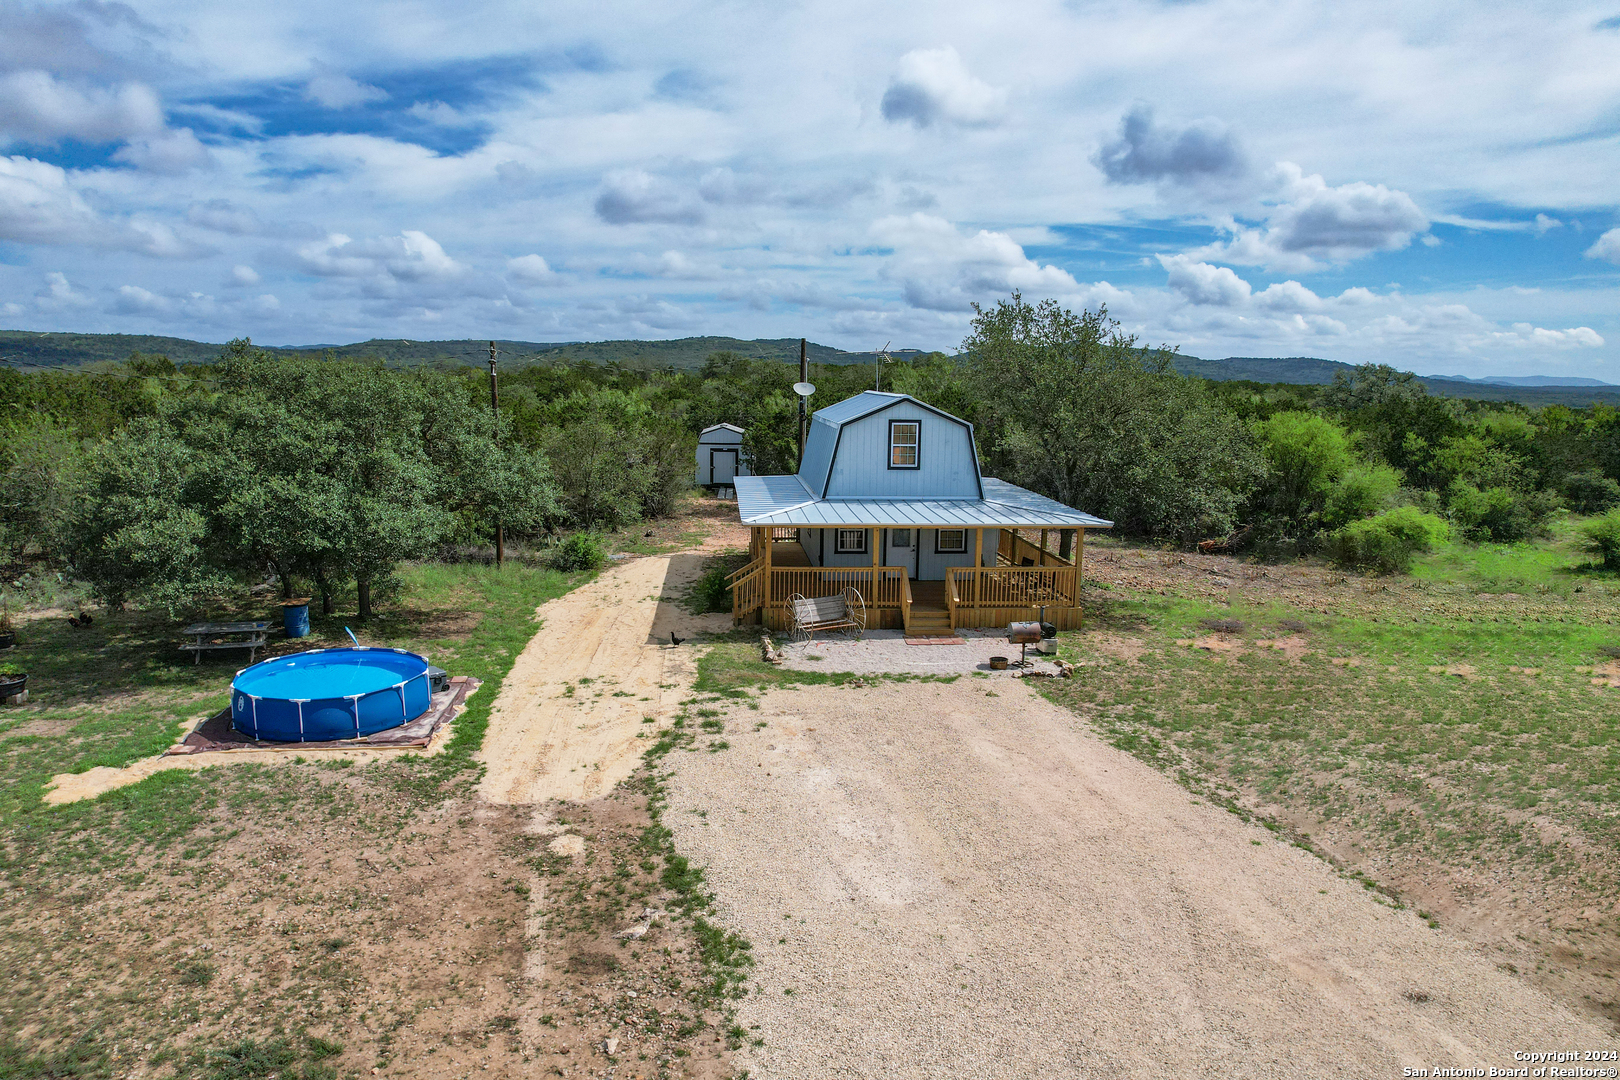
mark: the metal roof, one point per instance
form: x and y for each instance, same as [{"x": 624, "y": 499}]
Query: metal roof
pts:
[
  {"x": 784, "y": 501},
  {"x": 867, "y": 401},
  {"x": 717, "y": 427}
]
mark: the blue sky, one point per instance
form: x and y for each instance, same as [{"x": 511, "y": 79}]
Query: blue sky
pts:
[{"x": 1431, "y": 185}]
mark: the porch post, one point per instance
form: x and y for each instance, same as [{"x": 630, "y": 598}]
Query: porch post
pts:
[
  {"x": 877, "y": 553},
  {"x": 770, "y": 584},
  {"x": 1079, "y": 553},
  {"x": 978, "y": 565},
  {"x": 1043, "y": 546}
]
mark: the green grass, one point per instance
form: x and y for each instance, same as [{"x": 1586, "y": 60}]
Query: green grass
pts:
[
  {"x": 1553, "y": 565},
  {"x": 1418, "y": 760},
  {"x": 122, "y": 691}
]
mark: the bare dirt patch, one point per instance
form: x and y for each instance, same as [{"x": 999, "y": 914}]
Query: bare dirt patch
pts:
[
  {"x": 325, "y": 902},
  {"x": 594, "y": 684},
  {"x": 1293, "y": 646},
  {"x": 937, "y": 881}
]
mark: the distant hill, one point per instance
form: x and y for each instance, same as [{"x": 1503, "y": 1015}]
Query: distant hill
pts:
[
  {"x": 1300, "y": 370},
  {"x": 35, "y": 350},
  {"x": 1524, "y": 380},
  {"x": 1532, "y": 390},
  {"x": 73, "y": 350}
]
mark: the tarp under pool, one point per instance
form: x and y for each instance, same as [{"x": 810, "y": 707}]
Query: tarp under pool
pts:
[{"x": 329, "y": 694}]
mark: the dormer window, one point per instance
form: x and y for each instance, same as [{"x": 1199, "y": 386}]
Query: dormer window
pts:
[{"x": 904, "y": 436}]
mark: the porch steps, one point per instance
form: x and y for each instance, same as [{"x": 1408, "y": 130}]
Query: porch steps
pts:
[{"x": 929, "y": 622}]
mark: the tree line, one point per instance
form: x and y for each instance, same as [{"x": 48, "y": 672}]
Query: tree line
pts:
[{"x": 161, "y": 485}]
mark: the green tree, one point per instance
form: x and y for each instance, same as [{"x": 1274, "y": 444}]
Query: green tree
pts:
[
  {"x": 41, "y": 470},
  {"x": 1072, "y": 408},
  {"x": 137, "y": 535},
  {"x": 1305, "y": 455}
]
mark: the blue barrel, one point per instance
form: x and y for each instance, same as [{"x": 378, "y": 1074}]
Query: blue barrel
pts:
[{"x": 295, "y": 618}]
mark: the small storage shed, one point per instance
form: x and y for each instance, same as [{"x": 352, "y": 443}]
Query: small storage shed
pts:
[{"x": 719, "y": 456}]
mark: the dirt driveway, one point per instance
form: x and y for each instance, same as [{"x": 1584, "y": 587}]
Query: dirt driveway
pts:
[
  {"x": 949, "y": 880},
  {"x": 569, "y": 720}
]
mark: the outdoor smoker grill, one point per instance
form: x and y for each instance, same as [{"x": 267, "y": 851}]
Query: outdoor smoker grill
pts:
[{"x": 1023, "y": 635}]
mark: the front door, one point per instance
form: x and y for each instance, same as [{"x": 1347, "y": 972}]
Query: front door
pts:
[{"x": 722, "y": 466}]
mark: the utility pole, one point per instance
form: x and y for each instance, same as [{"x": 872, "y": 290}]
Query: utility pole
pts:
[
  {"x": 495, "y": 415},
  {"x": 804, "y": 406}
]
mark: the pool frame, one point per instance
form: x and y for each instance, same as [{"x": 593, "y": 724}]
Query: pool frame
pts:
[{"x": 279, "y": 719}]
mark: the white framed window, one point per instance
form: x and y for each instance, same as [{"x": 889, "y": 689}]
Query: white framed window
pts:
[
  {"x": 850, "y": 542},
  {"x": 900, "y": 538},
  {"x": 950, "y": 541},
  {"x": 904, "y": 436}
]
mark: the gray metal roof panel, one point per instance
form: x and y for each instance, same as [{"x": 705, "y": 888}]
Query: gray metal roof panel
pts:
[
  {"x": 866, "y": 401},
  {"x": 1005, "y": 506},
  {"x": 758, "y": 495}
]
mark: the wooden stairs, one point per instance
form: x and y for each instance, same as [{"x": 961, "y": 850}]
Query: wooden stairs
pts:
[{"x": 929, "y": 616}]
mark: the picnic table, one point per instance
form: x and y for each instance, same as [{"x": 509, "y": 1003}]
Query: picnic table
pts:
[{"x": 208, "y": 636}]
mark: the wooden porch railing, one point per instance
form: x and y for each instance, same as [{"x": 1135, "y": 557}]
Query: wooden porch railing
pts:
[
  {"x": 1011, "y": 587},
  {"x": 905, "y": 601},
  {"x": 884, "y": 588},
  {"x": 1012, "y": 549},
  {"x": 747, "y": 589}
]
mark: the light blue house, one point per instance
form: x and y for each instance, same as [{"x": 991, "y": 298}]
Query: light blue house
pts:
[{"x": 889, "y": 499}]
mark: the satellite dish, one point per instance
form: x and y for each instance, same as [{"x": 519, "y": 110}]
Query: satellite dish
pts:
[{"x": 804, "y": 389}]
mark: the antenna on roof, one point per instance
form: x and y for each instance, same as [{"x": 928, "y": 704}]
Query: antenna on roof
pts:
[{"x": 881, "y": 358}]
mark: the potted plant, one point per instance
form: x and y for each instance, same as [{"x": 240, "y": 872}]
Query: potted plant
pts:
[{"x": 13, "y": 681}]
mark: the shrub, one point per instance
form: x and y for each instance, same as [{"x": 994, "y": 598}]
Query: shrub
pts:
[
  {"x": 1498, "y": 513},
  {"x": 1590, "y": 492},
  {"x": 581, "y": 551},
  {"x": 1386, "y": 543},
  {"x": 711, "y": 592},
  {"x": 1362, "y": 491},
  {"x": 1603, "y": 539}
]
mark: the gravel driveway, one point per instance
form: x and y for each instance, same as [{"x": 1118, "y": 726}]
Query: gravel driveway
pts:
[{"x": 957, "y": 880}]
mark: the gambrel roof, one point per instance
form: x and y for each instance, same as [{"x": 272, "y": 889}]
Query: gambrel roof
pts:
[{"x": 804, "y": 499}]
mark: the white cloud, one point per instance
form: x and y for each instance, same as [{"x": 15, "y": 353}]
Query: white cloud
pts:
[
  {"x": 35, "y": 107},
  {"x": 933, "y": 86},
  {"x": 674, "y": 265},
  {"x": 40, "y": 205},
  {"x": 633, "y": 196},
  {"x": 225, "y": 216},
  {"x": 437, "y": 112},
  {"x": 59, "y": 294},
  {"x": 134, "y": 300},
  {"x": 333, "y": 89},
  {"x": 410, "y": 256},
  {"x": 1607, "y": 247},
  {"x": 942, "y": 270},
  {"x": 244, "y": 275},
  {"x": 532, "y": 270},
  {"x": 1288, "y": 297},
  {"x": 172, "y": 153},
  {"x": 1311, "y": 224},
  {"x": 1201, "y": 283},
  {"x": 1525, "y": 335}
]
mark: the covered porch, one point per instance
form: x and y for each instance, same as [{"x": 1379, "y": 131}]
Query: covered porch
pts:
[{"x": 1015, "y": 574}]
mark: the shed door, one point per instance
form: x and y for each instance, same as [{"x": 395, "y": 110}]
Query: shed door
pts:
[{"x": 722, "y": 466}]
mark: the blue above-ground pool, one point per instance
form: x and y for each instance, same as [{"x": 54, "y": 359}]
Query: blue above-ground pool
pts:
[{"x": 328, "y": 694}]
